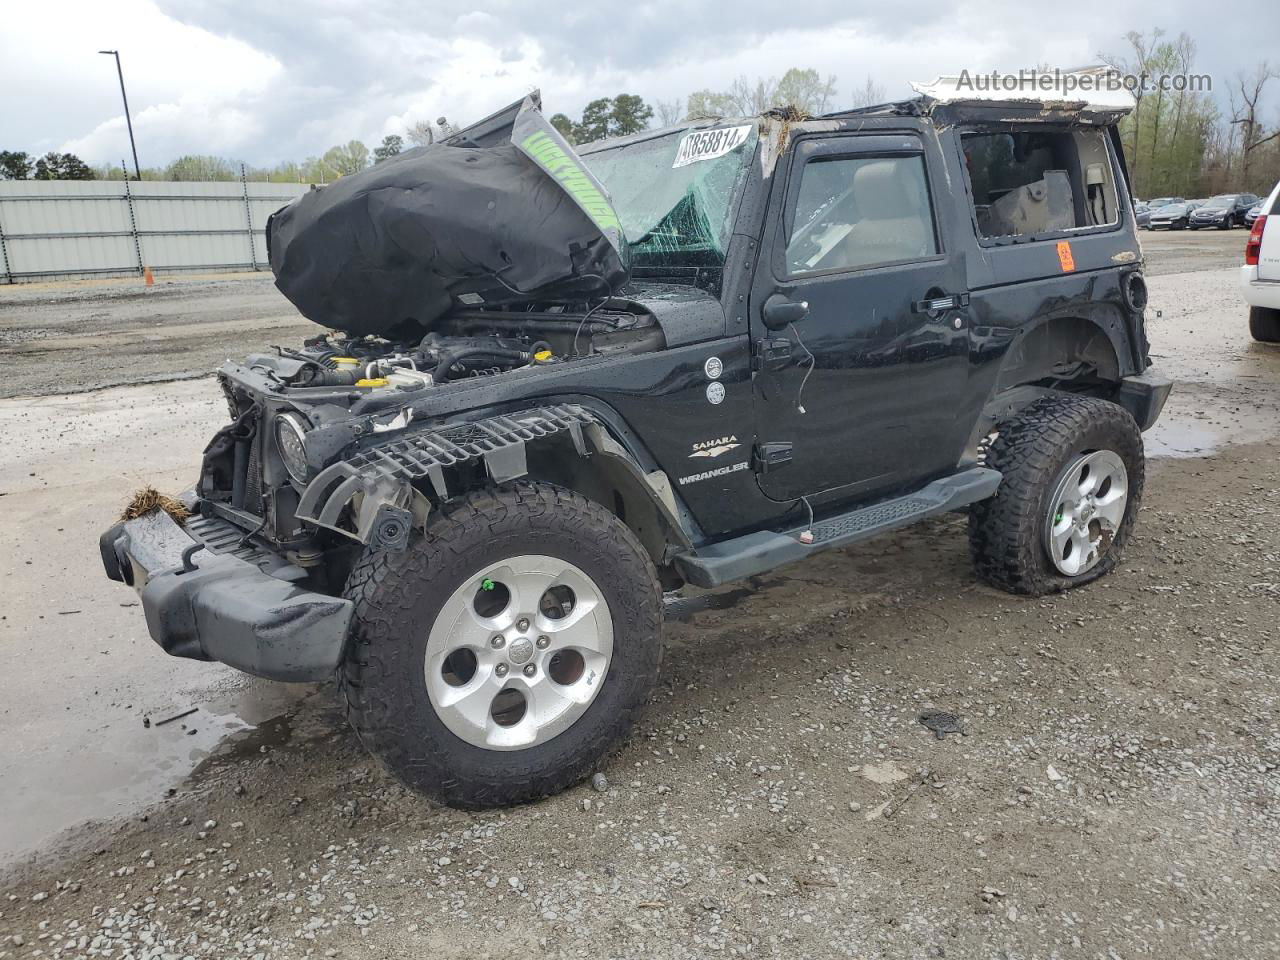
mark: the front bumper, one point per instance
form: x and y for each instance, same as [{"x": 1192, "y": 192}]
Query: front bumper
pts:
[
  {"x": 216, "y": 606},
  {"x": 1144, "y": 396}
]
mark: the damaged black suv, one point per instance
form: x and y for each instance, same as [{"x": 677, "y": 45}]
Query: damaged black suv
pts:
[{"x": 558, "y": 382}]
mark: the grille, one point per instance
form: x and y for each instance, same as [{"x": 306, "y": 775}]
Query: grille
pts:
[
  {"x": 253, "y": 477},
  {"x": 412, "y": 457}
]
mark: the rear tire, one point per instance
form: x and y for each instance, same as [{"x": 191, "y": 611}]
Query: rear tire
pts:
[
  {"x": 1053, "y": 450},
  {"x": 1264, "y": 324},
  {"x": 433, "y": 693}
]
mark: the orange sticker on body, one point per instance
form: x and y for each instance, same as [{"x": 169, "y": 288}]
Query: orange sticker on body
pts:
[{"x": 1065, "y": 258}]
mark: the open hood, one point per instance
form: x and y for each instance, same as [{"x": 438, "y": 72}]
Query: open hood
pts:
[{"x": 501, "y": 212}]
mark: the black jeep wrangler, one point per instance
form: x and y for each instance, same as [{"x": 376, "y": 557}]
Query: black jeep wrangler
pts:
[{"x": 824, "y": 329}]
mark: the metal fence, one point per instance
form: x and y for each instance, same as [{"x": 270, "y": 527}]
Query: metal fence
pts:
[{"x": 59, "y": 229}]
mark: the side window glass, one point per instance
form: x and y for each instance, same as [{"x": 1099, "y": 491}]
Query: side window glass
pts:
[{"x": 853, "y": 212}]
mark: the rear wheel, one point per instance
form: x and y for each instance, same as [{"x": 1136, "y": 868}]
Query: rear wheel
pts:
[
  {"x": 500, "y": 657},
  {"x": 1264, "y": 324},
  {"x": 1073, "y": 472}
]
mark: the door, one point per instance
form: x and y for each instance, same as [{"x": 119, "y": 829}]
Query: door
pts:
[{"x": 859, "y": 322}]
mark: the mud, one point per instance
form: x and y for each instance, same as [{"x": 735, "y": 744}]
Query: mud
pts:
[{"x": 741, "y": 819}]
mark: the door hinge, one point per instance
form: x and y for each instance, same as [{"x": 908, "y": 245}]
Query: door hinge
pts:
[
  {"x": 771, "y": 354},
  {"x": 770, "y": 456}
]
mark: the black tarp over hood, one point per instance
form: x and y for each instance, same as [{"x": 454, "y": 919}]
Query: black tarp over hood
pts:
[{"x": 501, "y": 212}]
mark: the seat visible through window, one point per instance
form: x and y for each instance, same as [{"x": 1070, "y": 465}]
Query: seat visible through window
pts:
[{"x": 856, "y": 212}]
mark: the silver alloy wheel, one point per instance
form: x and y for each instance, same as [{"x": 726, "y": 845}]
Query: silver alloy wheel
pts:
[
  {"x": 1086, "y": 511},
  {"x": 519, "y": 652}
]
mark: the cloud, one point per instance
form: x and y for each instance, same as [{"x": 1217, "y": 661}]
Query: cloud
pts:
[{"x": 267, "y": 82}]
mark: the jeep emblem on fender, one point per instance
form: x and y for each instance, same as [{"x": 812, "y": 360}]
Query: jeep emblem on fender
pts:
[{"x": 713, "y": 368}]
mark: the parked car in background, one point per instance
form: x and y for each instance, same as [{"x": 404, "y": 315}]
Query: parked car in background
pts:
[
  {"x": 1254, "y": 212},
  {"x": 1156, "y": 204},
  {"x": 1172, "y": 216},
  {"x": 1223, "y": 211},
  {"x": 1142, "y": 216},
  {"x": 1260, "y": 275}
]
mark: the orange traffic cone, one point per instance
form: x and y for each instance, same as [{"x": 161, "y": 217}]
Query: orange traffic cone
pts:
[{"x": 148, "y": 277}]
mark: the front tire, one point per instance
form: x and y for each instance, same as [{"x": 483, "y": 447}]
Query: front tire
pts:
[
  {"x": 1264, "y": 324},
  {"x": 1073, "y": 471},
  {"x": 502, "y": 655}
]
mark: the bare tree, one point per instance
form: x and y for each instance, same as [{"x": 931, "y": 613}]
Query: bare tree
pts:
[
  {"x": 670, "y": 112},
  {"x": 1143, "y": 50},
  {"x": 1246, "y": 114},
  {"x": 421, "y": 133},
  {"x": 868, "y": 95}
]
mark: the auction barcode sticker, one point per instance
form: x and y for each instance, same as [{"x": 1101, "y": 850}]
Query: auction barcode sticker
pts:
[{"x": 709, "y": 144}]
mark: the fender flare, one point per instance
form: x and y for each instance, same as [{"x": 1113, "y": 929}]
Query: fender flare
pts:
[{"x": 385, "y": 482}]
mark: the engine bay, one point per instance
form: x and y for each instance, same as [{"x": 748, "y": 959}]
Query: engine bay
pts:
[{"x": 466, "y": 345}]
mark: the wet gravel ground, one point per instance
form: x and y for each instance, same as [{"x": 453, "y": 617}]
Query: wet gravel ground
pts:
[{"x": 1116, "y": 793}]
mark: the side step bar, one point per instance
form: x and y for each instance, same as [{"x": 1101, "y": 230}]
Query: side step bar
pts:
[{"x": 754, "y": 553}]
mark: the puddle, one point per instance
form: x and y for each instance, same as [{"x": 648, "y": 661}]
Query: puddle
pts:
[
  {"x": 131, "y": 766},
  {"x": 1198, "y": 422}
]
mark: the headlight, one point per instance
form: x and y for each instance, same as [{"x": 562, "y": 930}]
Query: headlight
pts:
[{"x": 290, "y": 429}]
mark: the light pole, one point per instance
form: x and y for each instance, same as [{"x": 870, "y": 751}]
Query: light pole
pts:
[{"x": 127, "y": 119}]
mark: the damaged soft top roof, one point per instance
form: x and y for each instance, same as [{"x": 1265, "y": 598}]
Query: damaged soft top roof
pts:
[{"x": 1092, "y": 95}]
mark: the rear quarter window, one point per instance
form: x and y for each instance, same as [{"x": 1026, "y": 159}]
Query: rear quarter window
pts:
[{"x": 1040, "y": 181}]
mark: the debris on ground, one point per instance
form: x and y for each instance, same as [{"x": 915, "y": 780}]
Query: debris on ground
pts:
[{"x": 941, "y": 723}]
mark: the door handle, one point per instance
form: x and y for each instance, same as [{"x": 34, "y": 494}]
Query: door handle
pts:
[
  {"x": 779, "y": 311},
  {"x": 937, "y": 305}
]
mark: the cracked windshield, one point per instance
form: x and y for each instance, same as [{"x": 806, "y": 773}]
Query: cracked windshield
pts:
[{"x": 674, "y": 195}]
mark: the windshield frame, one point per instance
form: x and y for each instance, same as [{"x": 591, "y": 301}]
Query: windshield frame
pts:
[{"x": 692, "y": 274}]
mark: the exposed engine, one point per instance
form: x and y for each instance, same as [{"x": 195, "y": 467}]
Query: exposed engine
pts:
[{"x": 470, "y": 343}]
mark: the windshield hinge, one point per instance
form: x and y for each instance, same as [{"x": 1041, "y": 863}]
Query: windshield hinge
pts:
[
  {"x": 770, "y": 456},
  {"x": 771, "y": 354}
]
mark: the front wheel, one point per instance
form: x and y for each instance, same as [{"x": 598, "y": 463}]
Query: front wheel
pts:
[
  {"x": 502, "y": 655},
  {"x": 1073, "y": 471}
]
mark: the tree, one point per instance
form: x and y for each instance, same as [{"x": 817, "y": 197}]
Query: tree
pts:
[
  {"x": 630, "y": 114},
  {"x": 595, "y": 121},
  {"x": 805, "y": 90},
  {"x": 391, "y": 147},
  {"x": 200, "y": 168},
  {"x": 670, "y": 112},
  {"x": 62, "y": 166},
  {"x": 347, "y": 159},
  {"x": 14, "y": 165},
  {"x": 422, "y": 132},
  {"x": 1143, "y": 53},
  {"x": 868, "y": 95},
  {"x": 1247, "y": 115},
  {"x": 606, "y": 117},
  {"x": 564, "y": 126}
]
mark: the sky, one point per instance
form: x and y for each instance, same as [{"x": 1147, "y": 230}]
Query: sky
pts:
[{"x": 265, "y": 82}]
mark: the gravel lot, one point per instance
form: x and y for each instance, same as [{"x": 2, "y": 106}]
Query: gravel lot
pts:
[{"x": 1116, "y": 794}]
